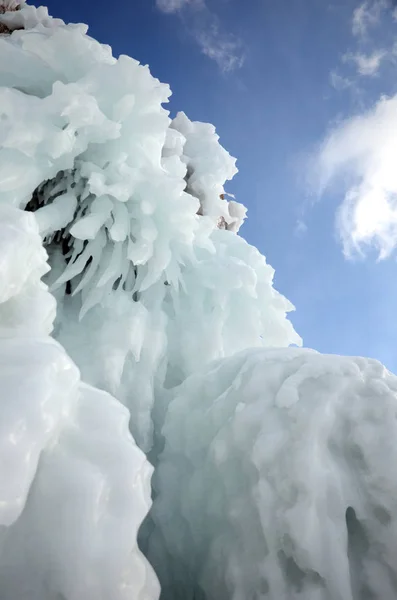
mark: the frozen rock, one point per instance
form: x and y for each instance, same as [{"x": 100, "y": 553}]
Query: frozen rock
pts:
[{"x": 277, "y": 481}]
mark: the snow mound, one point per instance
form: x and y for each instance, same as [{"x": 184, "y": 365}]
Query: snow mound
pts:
[
  {"x": 277, "y": 480},
  {"x": 74, "y": 487}
]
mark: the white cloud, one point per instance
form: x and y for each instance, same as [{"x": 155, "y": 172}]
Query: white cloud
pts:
[
  {"x": 339, "y": 82},
  {"x": 223, "y": 49},
  {"x": 204, "y": 26},
  {"x": 173, "y": 6},
  {"x": 362, "y": 153},
  {"x": 367, "y": 15},
  {"x": 300, "y": 228},
  {"x": 367, "y": 64}
]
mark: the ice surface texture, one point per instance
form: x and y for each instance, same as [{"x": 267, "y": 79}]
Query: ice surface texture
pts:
[
  {"x": 275, "y": 468},
  {"x": 277, "y": 481},
  {"x": 74, "y": 487},
  {"x": 128, "y": 204}
]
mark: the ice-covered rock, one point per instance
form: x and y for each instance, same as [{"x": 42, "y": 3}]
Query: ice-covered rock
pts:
[
  {"x": 208, "y": 167},
  {"x": 26, "y": 307},
  {"x": 134, "y": 349},
  {"x": 74, "y": 487},
  {"x": 275, "y": 468},
  {"x": 127, "y": 203},
  {"x": 277, "y": 481}
]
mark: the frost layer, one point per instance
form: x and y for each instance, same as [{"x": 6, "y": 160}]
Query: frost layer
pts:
[
  {"x": 129, "y": 205},
  {"x": 74, "y": 487},
  {"x": 277, "y": 481}
]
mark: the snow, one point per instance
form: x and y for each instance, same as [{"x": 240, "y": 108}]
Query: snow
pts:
[
  {"x": 277, "y": 480},
  {"x": 130, "y": 309}
]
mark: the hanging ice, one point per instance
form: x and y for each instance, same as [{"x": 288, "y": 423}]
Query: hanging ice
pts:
[{"x": 128, "y": 203}]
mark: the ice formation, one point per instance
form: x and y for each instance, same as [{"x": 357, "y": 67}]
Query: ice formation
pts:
[
  {"x": 74, "y": 487},
  {"x": 147, "y": 289},
  {"x": 121, "y": 272},
  {"x": 277, "y": 481},
  {"x": 208, "y": 166}
]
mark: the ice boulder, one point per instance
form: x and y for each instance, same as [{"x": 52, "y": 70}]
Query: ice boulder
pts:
[
  {"x": 74, "y": 486},
  {"x": 277, "y": 481}
]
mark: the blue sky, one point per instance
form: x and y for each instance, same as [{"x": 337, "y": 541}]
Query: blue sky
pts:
[{"x": 290, "y": 86}]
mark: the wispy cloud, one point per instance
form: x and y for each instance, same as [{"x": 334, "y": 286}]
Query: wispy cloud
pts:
[
  {"x": 361, "y": 153},
  {"x": 225, "y": 50},
  {"x": 173, "y": 6},
  {"x": 366, "y": 61},
  {"x": 205, "y": 27},
  {"x": 366, "y": 64},
  {"x": 367, "y": 15},
  {"x": 339, "y": 82},
  {"x": 358, "y": 156},
  {"x": 300, "y": 228}
]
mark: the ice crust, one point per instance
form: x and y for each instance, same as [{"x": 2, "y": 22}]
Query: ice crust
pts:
[
  {"x": 277, "y": 481},
  {"x": 74, "y": 487},
  {"x": 129, "y": 206},
  {"x": 121, "y": 272}
]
